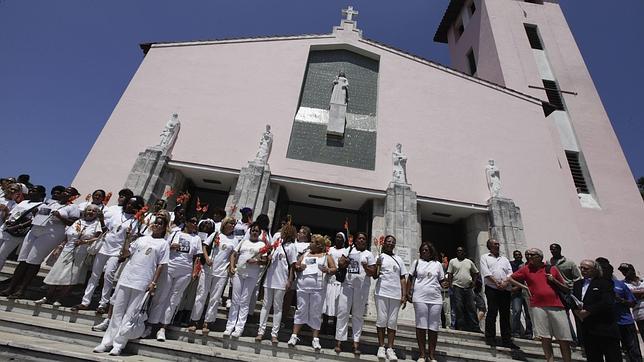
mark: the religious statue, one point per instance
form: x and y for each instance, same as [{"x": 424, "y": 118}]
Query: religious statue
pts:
[
  {"x": 265, "y": 145},
  {"x": 169, "y": 134},
  {"x": 338, "y": 105},
  {"x": 400, "y": 165},
  {"x": 493, "y": 176}
]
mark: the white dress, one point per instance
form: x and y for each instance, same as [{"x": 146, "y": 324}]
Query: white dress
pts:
[{"x": 71, "y": 266}]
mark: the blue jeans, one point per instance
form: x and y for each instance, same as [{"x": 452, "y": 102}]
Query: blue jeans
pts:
[
  {"x": 518, "y": 305},
  {"x": 465, "y": 309}
]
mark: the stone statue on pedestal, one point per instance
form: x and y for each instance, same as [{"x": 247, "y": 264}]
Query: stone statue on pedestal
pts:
[
  {"x": 400, "y": 165},
  {"x": 338, "y": 105},
  {"x": 265, "y": 145},
  {"x": 493, "y": 176},
  {"x": 169, "y": 134}
]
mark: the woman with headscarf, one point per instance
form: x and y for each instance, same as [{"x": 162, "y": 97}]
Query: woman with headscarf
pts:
[
  {"x": 148, "y": 256},
  {"x": 334, "y": 286},
  {"x": 360, "y": 265},
  {"x": 279, "y": 277},
  {"x": 71, "y": 266},
  {"x": 185, "y": 246},
  {"x": 313, "y": 266},
  {"x": 424, "y": 290}
]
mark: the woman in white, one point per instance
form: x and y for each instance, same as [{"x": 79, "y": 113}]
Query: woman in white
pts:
[
  {"x": 245, "y": 267},
  {"x": 312, "y": 267},
  {"x": 214, "y": 276},
  {"x": 119, "y": 226},
  {"x": 333, "y": 286},
  {"x": 97, "y": 199},
  {"x": 48, "y": 229},
  {"x": 18, "y": 217},
  {"x": 71, "y": 266},
  {"x": 425, "y": 291},
  {"x": 390, "y": 293},
  {"x": 360, "y": 265},
  {"x": 185, "y": 245},
  {"x": 279, "y": 277},
  {"x": 148, "y": 256}
]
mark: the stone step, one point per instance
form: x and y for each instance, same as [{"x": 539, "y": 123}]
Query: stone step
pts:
[
  {"x": 20, "y": 347},
  {"x": 405, "y": 342}
]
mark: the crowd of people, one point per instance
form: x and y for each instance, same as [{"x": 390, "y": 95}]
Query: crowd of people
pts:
[{"x": 151, "y": 261}]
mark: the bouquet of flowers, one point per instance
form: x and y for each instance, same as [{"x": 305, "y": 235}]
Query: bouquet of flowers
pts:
[
  {"x": 201, "y": 209},
  {"x": 107, "y": 198}
]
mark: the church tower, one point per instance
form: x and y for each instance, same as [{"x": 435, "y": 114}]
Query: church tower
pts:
[{"x": 527, "y": 45}]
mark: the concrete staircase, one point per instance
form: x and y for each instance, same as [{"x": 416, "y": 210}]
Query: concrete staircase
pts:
[{"x": 43, "y": 332}]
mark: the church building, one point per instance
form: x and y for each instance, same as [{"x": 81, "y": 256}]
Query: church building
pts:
[{"x": 511, "y": 141}]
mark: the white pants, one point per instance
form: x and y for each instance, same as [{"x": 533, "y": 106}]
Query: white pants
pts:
[
  {"x": 168, "y": 296},
  {"x": 127, "y": 302},
  {"x": 208, "y": 284},
  {"x": 8, "y": 243},
  {"x": 238, "y": 313},
  {"x": 352, "y": 299},
  {"x": 272, "y": 298},
  {"x": 309, "y": 308},
  {"x": 387, "y": 311},
  {"x": 102, "y": 263},
  {"x": 428, "y": 316}
]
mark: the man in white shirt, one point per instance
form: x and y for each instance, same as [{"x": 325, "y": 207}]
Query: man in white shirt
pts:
[{"x": 495, "y": 270}]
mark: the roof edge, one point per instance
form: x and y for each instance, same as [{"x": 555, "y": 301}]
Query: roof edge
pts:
[{"x": 452, "y": 11}]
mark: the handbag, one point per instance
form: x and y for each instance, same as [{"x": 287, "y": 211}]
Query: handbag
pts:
[
  {"x": 341, "y": 273},
  {"x": 21, "y": 231},
  {"x": 568, "y": 300}
]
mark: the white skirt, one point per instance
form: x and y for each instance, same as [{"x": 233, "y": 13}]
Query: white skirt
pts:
[
  {"x": 333, "y": 291},
  {"x": 70, "y": 268}
]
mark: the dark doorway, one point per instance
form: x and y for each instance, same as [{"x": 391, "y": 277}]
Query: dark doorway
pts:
[
  {"x": 325, "y": 220},
  {"x": 445, "y": 237}
]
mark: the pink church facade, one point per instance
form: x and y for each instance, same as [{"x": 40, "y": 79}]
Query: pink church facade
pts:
[{"x": 448, "y": 122}]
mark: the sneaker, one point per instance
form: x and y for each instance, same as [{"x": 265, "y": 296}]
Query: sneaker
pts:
[
  {"x": 101, "y": 327},
  {"x": 57, "y": 304},
  {"x": 293, "y": 340},
  {"x": 316, "y": 344},
  {"x": 510, "y": 344},
  {"x": 40, "y": 301},
  {"x": 101, "y": 348},
  {"x": 228, "y": 332},
  {"x": 161, "y": 335},
  {"x": 382, "y": 353},
  {"x": 237, "y": 333},
  {"x": 391, "y": 354},
  {"x": 115, "y": 351}
]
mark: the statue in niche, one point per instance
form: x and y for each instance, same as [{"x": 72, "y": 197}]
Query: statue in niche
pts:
[
  {"x": 169, "y": 134},
  {"x": 338, "y": 105},
  {"x": 265, "y": 145},
  {"x": 493, "y": 176},
  {"x": 400, "y": 165}
]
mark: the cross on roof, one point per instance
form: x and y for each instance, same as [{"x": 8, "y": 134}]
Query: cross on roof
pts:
[{"x": 349, "y": 13}]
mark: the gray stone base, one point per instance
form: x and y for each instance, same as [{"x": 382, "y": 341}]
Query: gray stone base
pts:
[
  {"x": 252, "y": 190},
  {"x": 506, "y": 225}
]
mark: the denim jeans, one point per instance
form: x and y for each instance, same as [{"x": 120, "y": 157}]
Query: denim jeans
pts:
[
  {"x": 463, "y": 305},
  {"x": 518, "y": 305},
  {"x": 630, "y": 342}
]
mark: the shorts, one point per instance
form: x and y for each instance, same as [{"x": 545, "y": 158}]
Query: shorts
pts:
[
  {"x": 428, "y": 316},
  {"x": 550, "y": 322}
]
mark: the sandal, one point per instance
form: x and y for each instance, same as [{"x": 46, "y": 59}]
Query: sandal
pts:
[
  {"x": 337, "y": 348},
  {"x": 356, "y": 348}
]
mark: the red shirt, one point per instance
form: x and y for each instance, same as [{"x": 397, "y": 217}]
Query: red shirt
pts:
[{"x": 542, "y": 293}]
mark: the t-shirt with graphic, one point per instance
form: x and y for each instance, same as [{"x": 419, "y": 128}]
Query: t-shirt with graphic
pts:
[
  {"x": 392, "y": 270},
  {"x": 277, "y": 273},
  {"x": 311, "y": 278},
  {"x": 187, "y": 247},
  {"x": 427, "y": 277},
  {"x": 147, "y": 253},
  {"x": 355, "y": 270},
  {"x": 247, "y": 250},
  {"x": 118, "y": 225},
  {"x": 45, "y": 219}
]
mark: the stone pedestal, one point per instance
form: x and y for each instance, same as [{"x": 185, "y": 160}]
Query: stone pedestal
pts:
[
  {"x": 253, "y": 190},
  {"x": 506, "y": 226},
  {"x": 337, "y": 120},
  {"x": 148, "y": 169}
]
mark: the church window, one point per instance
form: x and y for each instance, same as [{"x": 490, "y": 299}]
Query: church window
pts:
[
  {"x": 553, "y": 93},
  {"x": 471, "y": 61},
  {"x": 577, "y": 172},
  {"x": 533, "y": 37},
  {"x": 458, "y": 30}
]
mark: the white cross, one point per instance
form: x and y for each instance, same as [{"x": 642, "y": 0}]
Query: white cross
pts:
[{"x": 349, "y": 13}]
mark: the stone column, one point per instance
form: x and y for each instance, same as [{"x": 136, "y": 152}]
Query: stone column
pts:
[
  {"x": 506, "y": 225},
  {"x": 146, "y": 172},
  {"x": 253, "y": 189}
]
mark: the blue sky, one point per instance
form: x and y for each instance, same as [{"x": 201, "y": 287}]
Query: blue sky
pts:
[{"x": 65, "y": 64}]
